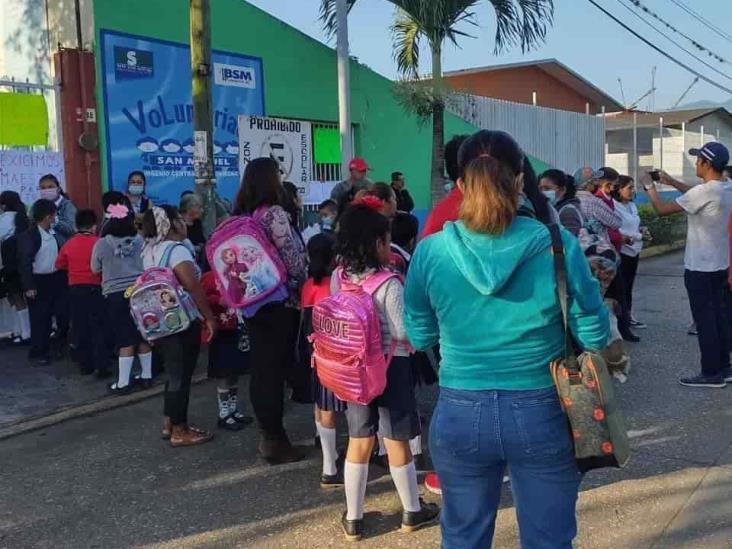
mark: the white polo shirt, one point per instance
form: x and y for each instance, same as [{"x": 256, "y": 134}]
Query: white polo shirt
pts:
[
  {"x": 708, "y": 207},
  {"x": 45, "y": 260}
]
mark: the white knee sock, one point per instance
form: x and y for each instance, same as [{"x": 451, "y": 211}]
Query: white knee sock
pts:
[
  {"x": 125, "y": 367},
  {"x": 146, "y": 364},
  {"x": 382, "y": 448},
  {"x": 415, "y": 445},
  {"x": 355, "y": 476},
  {"x": 405, "y": 480},
  {"x": 24, "y": 318},
  {"x": 328, "y": 445}
]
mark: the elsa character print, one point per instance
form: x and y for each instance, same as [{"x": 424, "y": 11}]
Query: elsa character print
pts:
[
  {"x": 236, "y": 274},
  {"x": 260, "y": 271}
]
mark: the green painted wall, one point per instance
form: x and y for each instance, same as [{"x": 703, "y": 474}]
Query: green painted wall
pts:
[{"x": 300, "y": 80}]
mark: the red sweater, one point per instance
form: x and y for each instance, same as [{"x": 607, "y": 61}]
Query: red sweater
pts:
[
  {"x": 448, "y": 209},
  {"x": 75, "y": 257}
]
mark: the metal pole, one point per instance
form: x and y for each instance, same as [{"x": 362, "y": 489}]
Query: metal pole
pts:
[
  {"x": 701, "y": 137},
  {"x": 635, "y": 146},
  {"x": 683, "y": 150},
  {"x": 344, "y": 87},
  {"x": 203, "y": 160},
  {"x": 660, "y": 132}
]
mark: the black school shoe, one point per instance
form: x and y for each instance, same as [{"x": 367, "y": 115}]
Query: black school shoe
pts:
[
  {"x": 230, "y": 424},
  {"x": 241, "y": 419},
  {"x": 352, "y": 529},
  {"x": 332, "y": 481},
  {"x": 428, "y": 514},
  {"x": 701, "y": 380}
]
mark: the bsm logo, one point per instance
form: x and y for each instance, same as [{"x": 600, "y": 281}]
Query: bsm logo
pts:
[{"x": 234, "y": 75}]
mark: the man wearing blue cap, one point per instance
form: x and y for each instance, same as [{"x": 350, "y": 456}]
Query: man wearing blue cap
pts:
[{"x": 707, "y": 207}]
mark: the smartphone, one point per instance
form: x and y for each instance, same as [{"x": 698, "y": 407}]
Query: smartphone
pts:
[{"x": 655, "y": 175}]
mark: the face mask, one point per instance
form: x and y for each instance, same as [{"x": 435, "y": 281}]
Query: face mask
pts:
[
  {"x": 551, "y": 196},
  {"x": 136, "y": 190},
  {"x": 326, "y": 223},
  {"x": 50, "y": 194}
]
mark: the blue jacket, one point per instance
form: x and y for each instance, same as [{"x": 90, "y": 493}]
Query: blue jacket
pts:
[{"x": 491, "y": 304}]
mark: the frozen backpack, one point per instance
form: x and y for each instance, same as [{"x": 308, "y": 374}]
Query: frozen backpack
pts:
[
  {"x": 347, "y": 349},
  {"x": 247, "y": 265},
  {"x": 158, "y": 303}
]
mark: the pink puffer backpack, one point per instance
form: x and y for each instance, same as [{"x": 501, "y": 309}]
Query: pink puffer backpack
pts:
[
  {"x": 247, "y": 265},
  {"x": 347, "y": 347}
]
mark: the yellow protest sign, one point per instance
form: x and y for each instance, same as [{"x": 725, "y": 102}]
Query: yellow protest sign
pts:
[{"x": 23, "y": 120}]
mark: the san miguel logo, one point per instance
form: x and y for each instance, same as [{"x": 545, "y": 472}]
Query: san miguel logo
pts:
[{"x": 131, "y": 64}]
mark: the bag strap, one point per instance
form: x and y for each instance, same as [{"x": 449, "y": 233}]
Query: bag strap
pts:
[
  {"x": 560, "y": 272},
  {"x": 165, "y": 259}
]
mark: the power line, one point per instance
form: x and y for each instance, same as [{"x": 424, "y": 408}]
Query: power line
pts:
[
  {"x": 703, "y": 20},
  {"x": 697, "y": 45},
  {"x": 667, "y": 37},
  {"x": 659, "y": 50}
]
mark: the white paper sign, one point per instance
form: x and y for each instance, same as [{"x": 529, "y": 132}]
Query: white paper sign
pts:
[
  {"x": 21, "y": 170},
  {"x": 287, "y": 141}
]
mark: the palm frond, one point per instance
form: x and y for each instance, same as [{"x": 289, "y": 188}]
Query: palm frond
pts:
[
  {"x": 406, "y": 33},
  {"x": 329, "y": 17},
  {"x": 522, "y": 22}
]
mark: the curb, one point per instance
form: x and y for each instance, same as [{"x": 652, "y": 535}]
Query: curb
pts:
[
  {"x": 662, "y": 249},
  {"x": 85, "y": 410}
]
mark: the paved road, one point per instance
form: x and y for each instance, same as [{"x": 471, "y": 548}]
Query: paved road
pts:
[{"x": 107, "y": 481}]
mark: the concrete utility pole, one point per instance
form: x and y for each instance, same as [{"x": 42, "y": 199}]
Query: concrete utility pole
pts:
[
  {"x": 201, "y": 71},
  {"x": 344, "y": 86}
]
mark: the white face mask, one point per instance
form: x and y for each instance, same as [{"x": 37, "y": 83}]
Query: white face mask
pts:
[
  {"x": 136, "y": 190},
  {"x": 50, "y": 194},
  {"x": 326, "y": 223},
  {"x": 551, "y": 196}
]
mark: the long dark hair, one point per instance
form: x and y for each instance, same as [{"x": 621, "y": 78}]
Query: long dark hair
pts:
[
  {"x": 260, "y": 186},
  {"x": 503, "y": 147},
  {"x": 11, "y": 202},
  {"x": 120, "y": 228},
  {"x": 321, "y": 253},
  {"x": 290, "y": 202},
  {"x": 360, "y": 227},
  {"x": 563, "y": 181}
]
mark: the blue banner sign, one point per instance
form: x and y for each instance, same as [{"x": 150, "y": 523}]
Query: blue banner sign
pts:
[{"x": 149, "y": 113}]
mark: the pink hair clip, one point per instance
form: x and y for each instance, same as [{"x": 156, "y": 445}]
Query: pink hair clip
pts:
[{"x": 117, "y": 211}]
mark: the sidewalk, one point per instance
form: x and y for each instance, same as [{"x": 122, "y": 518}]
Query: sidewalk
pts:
[{"x": 107, "y": 481}]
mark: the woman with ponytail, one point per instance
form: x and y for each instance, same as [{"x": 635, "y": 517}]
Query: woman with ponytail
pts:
[{"x": 484, "y": 290}]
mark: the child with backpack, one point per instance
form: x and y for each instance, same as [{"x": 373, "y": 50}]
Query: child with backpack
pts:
[
  {"x": 116, "y": 255},
  {"x": 321, "y": 254},
  {"x": 164, "y": 231},
  {"x": 226, "y": 360},
  {"x": 363, "y": 288},
  {"x": 87, "y": 302}
]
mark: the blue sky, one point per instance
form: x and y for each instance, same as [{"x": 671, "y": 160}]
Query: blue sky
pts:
[{"x": 582, "y": 38}]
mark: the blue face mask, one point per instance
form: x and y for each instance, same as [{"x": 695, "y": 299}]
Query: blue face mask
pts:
[{"x": 551, "y": 196}]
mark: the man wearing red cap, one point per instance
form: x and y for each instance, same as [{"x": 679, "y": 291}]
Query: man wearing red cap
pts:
[{"x": 343, "y": 192}]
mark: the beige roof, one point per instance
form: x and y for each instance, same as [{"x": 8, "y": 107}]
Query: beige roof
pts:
[{"x": 670, "y": 118}]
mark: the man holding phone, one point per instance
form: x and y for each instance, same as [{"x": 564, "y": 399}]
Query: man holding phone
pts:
[{"x": 706, "y": 262}]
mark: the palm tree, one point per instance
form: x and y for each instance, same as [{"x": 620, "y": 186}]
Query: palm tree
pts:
[{"x": 518, "y": 22}]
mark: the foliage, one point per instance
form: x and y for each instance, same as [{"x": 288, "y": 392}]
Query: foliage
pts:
[{"x": 664, "y": 230}]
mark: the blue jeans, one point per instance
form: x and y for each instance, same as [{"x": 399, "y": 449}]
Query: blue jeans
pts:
[{"x": 474, "y": 436}]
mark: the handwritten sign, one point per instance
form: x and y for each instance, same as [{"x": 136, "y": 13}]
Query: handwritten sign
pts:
[{"x": 21, "y": 170}]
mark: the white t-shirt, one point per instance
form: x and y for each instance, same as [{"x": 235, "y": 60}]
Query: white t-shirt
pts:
[
  {"x": 45, "y": 260},
  {"x": 151, "y": 257},
  {"x": 708, "y": 207},
  {"x": 630, "y": 227}
]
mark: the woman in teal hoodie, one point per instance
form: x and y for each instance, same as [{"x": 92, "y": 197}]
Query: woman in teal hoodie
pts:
[{"x": 484, "y": 290}]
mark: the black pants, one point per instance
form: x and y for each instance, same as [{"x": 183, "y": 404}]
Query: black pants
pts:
[
  {"x": 87, "y": 325},
  {"x": 272, "y": 335},
  {"x": 618, "y": 292},
  {"x": 51, "y": 300},
  {"x": 181, "y": 356},
  {"x": 628, "y": 269},
  {"x": 709, "y": 299}
]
